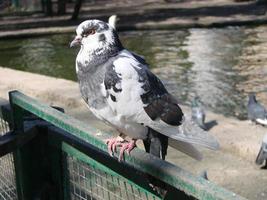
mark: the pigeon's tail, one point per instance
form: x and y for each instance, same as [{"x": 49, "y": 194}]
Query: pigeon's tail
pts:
[
  {"x": 200, "y": 123},
  {"x": 196, "y": 135},
  {"x": 156, "y": 144},
  {"x": 203, "y": 126},
  {"x": 186, "y": 148},
  {"x": 188, "y": 132},
  {"x": 262, "y": 121}
]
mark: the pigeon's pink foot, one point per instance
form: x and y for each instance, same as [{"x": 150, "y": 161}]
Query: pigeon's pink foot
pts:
[
  {"x": 113, "y": 143},
  {"x": 128, "y": 147}
]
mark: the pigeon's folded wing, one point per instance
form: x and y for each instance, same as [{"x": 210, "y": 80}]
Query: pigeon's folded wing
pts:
[{"x": 137, "y": 95}]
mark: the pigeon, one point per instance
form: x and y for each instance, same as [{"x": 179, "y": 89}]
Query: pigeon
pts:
[
  {"x": 198, "y": 113},
  {"x": 204, "y": 174},
  {"x": 153, "y": 139},
  {"x": 120, "y": 90},
  {"x": 262, "y": 155},
  {"x": 256, "y": 112},
  {"x": 112, "y": 21}
]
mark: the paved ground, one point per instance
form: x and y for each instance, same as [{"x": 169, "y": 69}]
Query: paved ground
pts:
[{"x": 232, "y": 167}]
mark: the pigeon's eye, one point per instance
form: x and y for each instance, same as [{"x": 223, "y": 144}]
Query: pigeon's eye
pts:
[{"x": 89, "y": 32}]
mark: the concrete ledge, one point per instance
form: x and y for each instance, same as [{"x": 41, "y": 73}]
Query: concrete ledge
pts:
[{"x": 232, "y": 167}]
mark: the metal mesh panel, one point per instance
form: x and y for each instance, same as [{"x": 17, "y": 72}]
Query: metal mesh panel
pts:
[
  {"x": 87, "y": 182},
  {"x": 7, "y": 171}
]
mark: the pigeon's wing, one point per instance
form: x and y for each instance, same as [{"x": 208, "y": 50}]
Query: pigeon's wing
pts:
[
  {"x": 256, "y": 111},
  {"x": 140, "y": 97}
]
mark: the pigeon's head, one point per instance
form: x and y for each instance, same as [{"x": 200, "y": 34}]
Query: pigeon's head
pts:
[
  {"x": 95, "y": 36},
  {"x": 196, "y": 102}
]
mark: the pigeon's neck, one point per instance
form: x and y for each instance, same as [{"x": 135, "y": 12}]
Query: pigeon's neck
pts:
[
  {"x": 88, "y": 61},
  {"x": 252, "y": 99},
  {"x": 195, "y": 103}
]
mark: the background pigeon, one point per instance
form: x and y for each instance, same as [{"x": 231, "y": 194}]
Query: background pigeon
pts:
[
  {"x": 204, "y": 174},
  {"x": 262, "y": 155},
  {"x": 120, "y": 90},
  {"x": 198, "y": 113},
  {"x": 256, "y": 112}
]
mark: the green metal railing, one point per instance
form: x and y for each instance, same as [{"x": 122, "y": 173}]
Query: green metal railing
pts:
[{"x": 59, "y": 157}]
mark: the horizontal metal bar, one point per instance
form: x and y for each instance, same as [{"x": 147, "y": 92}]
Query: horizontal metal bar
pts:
[
  {"x": 12, "y": 141},
  {"x": 7, "y": 143},
  {"x": 162, "y": 170},
  {"x": 5, "y": 112}
]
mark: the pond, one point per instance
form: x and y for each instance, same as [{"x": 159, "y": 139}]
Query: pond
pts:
[{"x": 220, "y": 65}]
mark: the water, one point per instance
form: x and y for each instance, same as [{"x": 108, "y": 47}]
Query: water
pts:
[{"x": 220, "y": 65}]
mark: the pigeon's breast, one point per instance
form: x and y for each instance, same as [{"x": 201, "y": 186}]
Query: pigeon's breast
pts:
[
  {"x": 90, "y": 83},
  {"x": 120, "y": 123}
]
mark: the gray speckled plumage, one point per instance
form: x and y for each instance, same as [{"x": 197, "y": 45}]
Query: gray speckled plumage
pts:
[
  {"x": 90, "y": 85},
  {"x": 120, "y": 89},
  {"x": 262, "y": 155},
  {"x": 198, "y": 113},
  {"x": 256, "y": 112}
]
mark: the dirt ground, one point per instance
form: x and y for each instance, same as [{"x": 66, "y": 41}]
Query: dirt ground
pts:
[{"x": 232, "y": 167}]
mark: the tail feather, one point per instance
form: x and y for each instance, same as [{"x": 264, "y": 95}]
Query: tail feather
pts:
[
  {"x": 188, "y": 132},
  {"x": 186, "y": 148}
]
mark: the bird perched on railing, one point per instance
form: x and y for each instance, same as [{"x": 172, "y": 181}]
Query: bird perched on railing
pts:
[
  {"x": 262, "y": 155},
  {"x": 197, "y": 113},
  {"x": 256, "y": 112},
  {"x": 121, "y": 91}
]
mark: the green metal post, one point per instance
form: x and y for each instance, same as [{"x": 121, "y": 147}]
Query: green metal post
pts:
[
  {"x": 57, "y": 164},
  {"x": 37, "y": 165},
  {"x": 18, "y": 127}
]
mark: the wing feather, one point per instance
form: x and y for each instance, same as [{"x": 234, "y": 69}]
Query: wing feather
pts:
[{"x": 144, "y": 99}]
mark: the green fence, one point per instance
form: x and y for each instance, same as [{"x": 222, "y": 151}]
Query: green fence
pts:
[{"x": 46, "y": 154}]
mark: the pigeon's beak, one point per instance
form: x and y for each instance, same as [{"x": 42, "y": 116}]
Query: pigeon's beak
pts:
[
  {"x": 262, "y": 155},
  {"x": 76, "y": 42}
]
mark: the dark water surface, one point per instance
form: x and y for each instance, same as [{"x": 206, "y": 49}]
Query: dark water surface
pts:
[{"x": 220, "y": 65}]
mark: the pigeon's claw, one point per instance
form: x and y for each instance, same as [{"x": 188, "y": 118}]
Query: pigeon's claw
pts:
[
  {"x": 128, "y": 147},
  {"x": 113, "y": 143}
]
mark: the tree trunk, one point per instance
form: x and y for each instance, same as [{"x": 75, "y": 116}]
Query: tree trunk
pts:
[
  {"x": 47, "y": 7},
  {"x": 61, "y": 7},
  {"x": 77, "y": 8}
]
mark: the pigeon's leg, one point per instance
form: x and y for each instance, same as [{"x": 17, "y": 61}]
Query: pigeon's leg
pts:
[
  {"x": 113, "y": 142},
  {"x": 128, "y": 147}
]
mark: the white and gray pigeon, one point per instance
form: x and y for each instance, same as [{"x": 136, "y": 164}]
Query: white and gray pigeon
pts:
[
  {"x": 197, "y": 113},
  {"x": 256, "y": 112},
  {"x": 120, "y": 90},
  {"x": 262, "y": 155}
]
